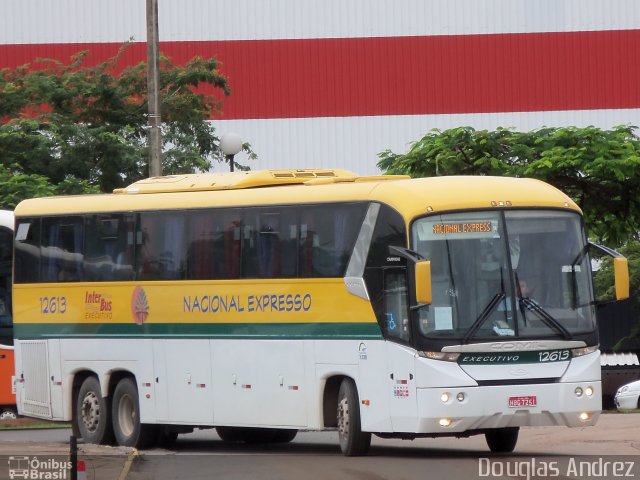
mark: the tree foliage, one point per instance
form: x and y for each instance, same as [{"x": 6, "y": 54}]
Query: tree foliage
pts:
[
  {"x": 599, "y": 169},
  {"x": 84, "y": 127}
]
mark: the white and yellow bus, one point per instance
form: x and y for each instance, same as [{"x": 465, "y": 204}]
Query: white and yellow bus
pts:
[{"x": 262, "y": 303}]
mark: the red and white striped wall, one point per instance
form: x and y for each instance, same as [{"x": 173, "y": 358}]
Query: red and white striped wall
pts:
[{"x": 331, "y": 83}]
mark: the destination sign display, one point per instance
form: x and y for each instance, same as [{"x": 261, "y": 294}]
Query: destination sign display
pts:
[{"x": 437, "y": 229}]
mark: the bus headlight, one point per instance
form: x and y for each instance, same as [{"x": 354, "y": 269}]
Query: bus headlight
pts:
[
  {"x": 579, "y": 352},
  {"x": 588, "y": 391},
  {"x": 578, "y": 392},
  {"x": 444, "y": 356},
  {"x": 444, "y": 397}
]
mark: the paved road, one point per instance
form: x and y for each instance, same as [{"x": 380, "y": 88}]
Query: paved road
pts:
[{"x": 315, "y": 455}]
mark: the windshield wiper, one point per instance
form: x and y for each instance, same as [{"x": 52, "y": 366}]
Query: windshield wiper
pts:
[
  {"x": 547, "y": 319},
  {"x": 488, "y": 310}
]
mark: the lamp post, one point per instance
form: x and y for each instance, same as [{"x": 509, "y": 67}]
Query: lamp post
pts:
[{"x": 230, "y": 144}]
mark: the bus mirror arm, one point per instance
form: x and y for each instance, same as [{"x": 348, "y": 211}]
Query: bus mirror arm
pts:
[
  {"x": 620, "y": 270},
  {"x": 419, "y": 275}
]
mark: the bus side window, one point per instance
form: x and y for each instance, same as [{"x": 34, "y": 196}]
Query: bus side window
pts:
[
  {"x": 27, "y": 251},
  {"x": 62, "y": 249},
  {"x": 161, "y": 253},
  {"x": 213, "y": 244},
  {"x": 108, "y": 248},
  {"x": 270, "y": 239},
  {"x": 327, "y": 236},
  {"x": 395, "y": 303},
  {"x": 385, "y": 275}
]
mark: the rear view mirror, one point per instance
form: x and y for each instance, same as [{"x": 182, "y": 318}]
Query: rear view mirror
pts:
[
  {"x": 609, "y": 261},
  {"x": 423, "y": 281},
  {"x": 621, "y": 273}
]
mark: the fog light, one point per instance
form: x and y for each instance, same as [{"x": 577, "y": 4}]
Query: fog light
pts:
[
  {"x": 588, "y": 391},
  {"x": 578, "y": 391},
  {"x": 445, "y": 422},
  {"x": 585, "y": 416},
  {"x": 460, "y": 397},
  {"x": 444, "y": 397}
]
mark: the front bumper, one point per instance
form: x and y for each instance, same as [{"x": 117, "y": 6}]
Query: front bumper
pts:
[{"x": 488, "y": 407}]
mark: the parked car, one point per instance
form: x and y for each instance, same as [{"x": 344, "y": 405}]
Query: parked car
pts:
[{"x": 627, "y": 396}]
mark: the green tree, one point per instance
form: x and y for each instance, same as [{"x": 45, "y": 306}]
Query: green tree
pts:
[
  {"x": 84, "y": 128},
  {"x": 599, "y": 169}
]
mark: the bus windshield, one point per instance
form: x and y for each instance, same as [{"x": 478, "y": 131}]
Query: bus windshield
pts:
[{"x": 505, "y": 274}]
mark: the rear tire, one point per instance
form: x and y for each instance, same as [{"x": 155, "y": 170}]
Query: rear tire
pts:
[
  {"x": 353, "y": 441},
  {"x": 230, "y": 434},
  {"x": 502, "y": 440},
  {"x": 8, "y": 413},
  {"x": 284, "y": 435},
  {"x": 128, "y": 430},
  {"x": 253, "y": 435},
  {"x": 92, "y": 417}
]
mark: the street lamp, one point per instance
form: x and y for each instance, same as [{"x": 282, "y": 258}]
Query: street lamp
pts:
[{"x": 230, "y": 143}]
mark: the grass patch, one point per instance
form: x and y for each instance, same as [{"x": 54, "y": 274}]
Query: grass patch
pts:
[{"x": 25, "y": 423}]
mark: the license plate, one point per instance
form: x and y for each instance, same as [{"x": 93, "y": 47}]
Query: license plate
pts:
[{"x": 529, "y": 401}]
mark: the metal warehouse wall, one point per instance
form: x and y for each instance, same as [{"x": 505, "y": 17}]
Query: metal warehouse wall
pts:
[{"x": 331, "y": 83}]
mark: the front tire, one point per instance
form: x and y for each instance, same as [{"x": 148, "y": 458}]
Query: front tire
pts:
[
  {"x": 284, "y": 435},
  {"x": 92, "y": 413},
  {"x": 128, "y": 430},
  {"x": 230, "y": 434},
  {"x": 353, "y": 441},
  {"x": 502, "y": 440}
]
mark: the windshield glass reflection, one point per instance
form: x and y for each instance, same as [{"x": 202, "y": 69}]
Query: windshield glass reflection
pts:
[{"x": 505, "y": 274}]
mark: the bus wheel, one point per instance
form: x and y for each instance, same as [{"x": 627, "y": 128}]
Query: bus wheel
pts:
[
  {"x": 284, "y": 435},
  {"x": 8, "y": 414},
  {"x": 230, "y": 434},
  {"x": 353, "y": 441},
  {"x": 125, "y": 412},
  {"x": 502, "y": 440},
  {"x": 92, "y": 413}
]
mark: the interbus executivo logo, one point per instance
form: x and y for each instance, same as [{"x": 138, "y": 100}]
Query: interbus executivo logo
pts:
[
  {"x": 139, "y": 305},
  {"x": 37, "y": 468}
]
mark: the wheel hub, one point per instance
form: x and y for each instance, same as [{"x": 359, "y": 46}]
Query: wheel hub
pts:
[
  {"x": 90, "y": 411},
  {"x": 343, "y": 417},
  {"x": 126, "y": 415}
]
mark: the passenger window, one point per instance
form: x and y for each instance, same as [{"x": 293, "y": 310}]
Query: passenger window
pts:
[
  {"x": 270, "y": 239},
  {"x": 27, "y": 251},
  {"x": 327, "y": 236},
  {"x": 61, "y": 249},
  {"x": 160, "y": 246},
  {"x": 109, "y": 248},
  {"x": 214, "y": 244}
]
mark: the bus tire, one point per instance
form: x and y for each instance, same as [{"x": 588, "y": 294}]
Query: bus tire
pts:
[
  {"x": 254, "y": 435},
  {"x": 284, "y": 435},
  {"x": 502, "y": 440},
  {"x": 230, "y": 434},
  {"x": 353, "y": 441},
  {"x": 128, "y": 430},
  {"x": 9, "y": 413},
  {"x": 92, "y": 413}
]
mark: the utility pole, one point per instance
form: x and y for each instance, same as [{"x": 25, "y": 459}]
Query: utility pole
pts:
[{"x": 153, "y": 90}]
